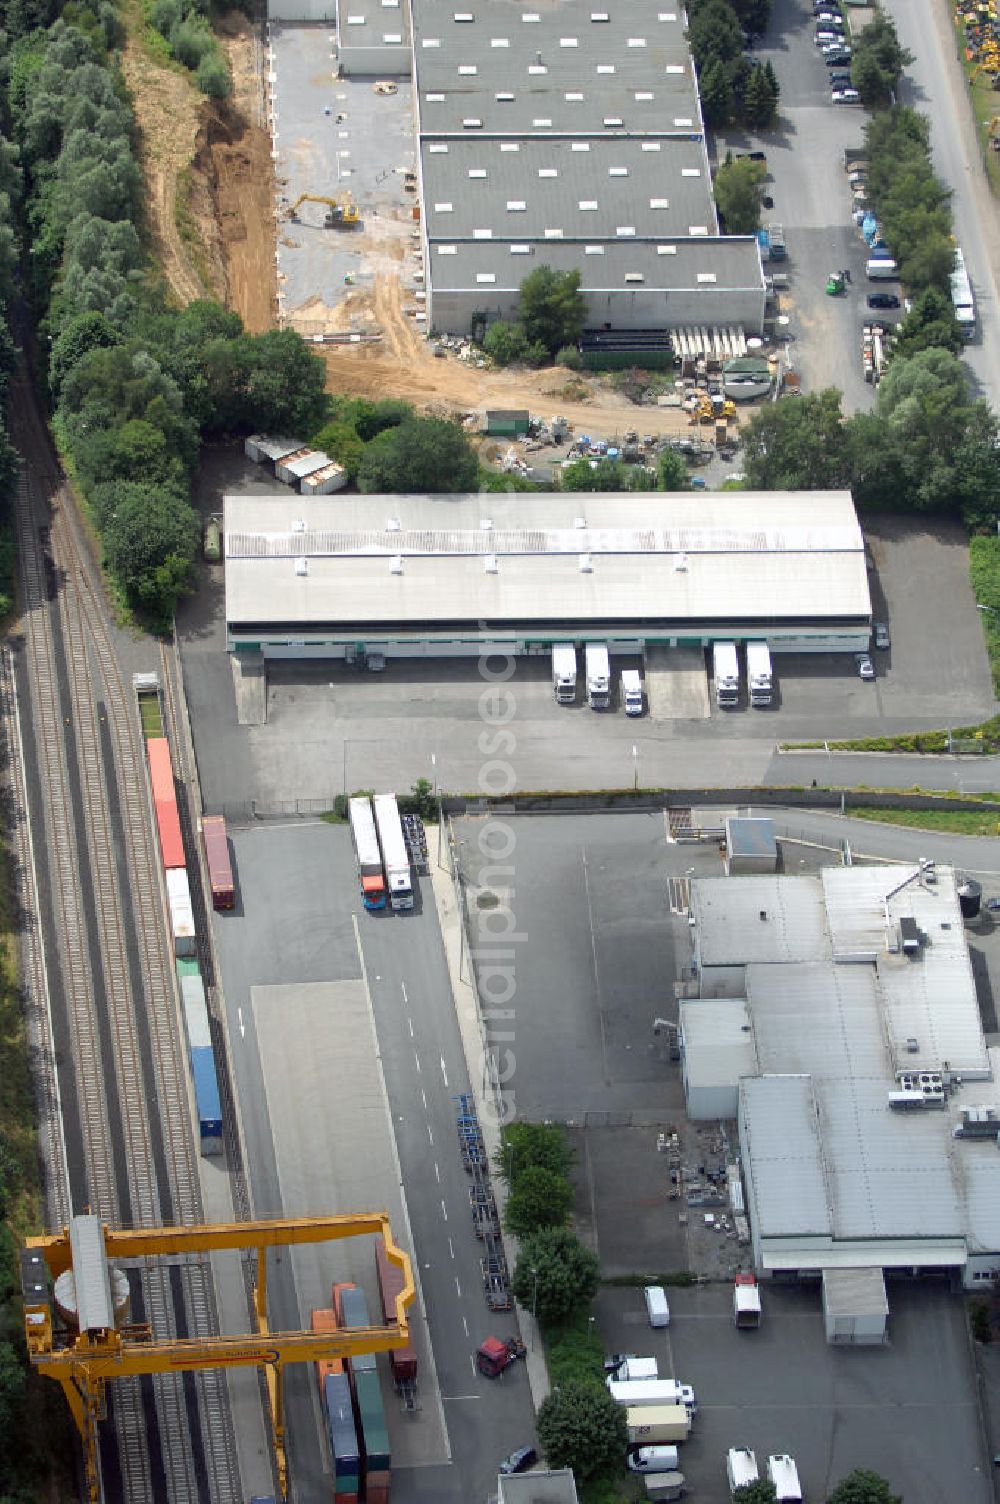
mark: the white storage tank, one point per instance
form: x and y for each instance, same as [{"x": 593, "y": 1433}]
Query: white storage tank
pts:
[{"x": 65, "y": 1296}]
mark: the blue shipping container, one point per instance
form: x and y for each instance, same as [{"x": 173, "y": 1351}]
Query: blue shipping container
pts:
[
  {"x": 340, "y": 1427},
  {"x": 355, "y": 1312},
  {"x": 206, "y": 1092}
]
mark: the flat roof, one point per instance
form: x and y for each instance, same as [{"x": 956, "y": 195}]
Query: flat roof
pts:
[
  {"x": 91, "y": 1275},
  {"x": 758, "y": 917},
  {"x": 854, "y": 1292},
  {"x": 372, "y": 23},
  {"x": 718, "y": 1041},
  {"x": 606, "y": 262},
  {"x": 528, "y": 188},
  {"x": 614, "y": 557},
  {"x": 783, "y": 1162},
  {"x": 751, "y": 836}
]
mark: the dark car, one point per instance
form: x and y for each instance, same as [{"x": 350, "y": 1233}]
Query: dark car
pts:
[
  {"x": 882, "y": 300},
  {"x": 837, "y": 58},
  {"x": 519, "y": 1461},
  {"x": 838, "y": 79}
]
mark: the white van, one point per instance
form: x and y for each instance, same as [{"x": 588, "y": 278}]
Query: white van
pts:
[
  {"x": 657, "y": 1308},
  {"x": 741, "y": 1468},
  {"x": 653, "y": 1460},
  {"x": 882, "y": 269}
]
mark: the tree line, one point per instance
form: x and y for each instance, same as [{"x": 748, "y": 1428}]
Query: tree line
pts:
[{"x": 732, "y": 88}]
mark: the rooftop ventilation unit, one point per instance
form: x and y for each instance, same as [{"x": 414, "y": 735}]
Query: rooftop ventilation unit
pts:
[
  {"x": 490, "y": 564},
  {"x": 393, "y": 525},
  {"x": 579, "y": 522},
  {"x": 912, "y": 1046},
  {"x": 909, "y": 935},
  {"x": 301, "y": 566},
  {"x": 586, "y": 564},
  {"x": 930, "y": 1085},
  {"x": 907, "y": 1101},
  {"x": 681, "y": 564},
  {"x": 978, "y": 1122},
  {"x": 396, "y": 564},
  {"x": 486, "y": 522},
  {"x": 298, "y": 525}
]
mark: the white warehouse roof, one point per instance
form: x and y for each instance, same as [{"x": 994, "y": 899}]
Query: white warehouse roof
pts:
[{"x": 410, "y": 561}]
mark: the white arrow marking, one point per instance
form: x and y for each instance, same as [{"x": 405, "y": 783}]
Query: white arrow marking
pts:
[
  {"x": 443, "y": 1071},
  {"x": 243, "y": 1027}
]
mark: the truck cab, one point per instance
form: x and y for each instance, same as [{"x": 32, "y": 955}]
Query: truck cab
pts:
[
  {"x": 741, "y": 1468},
  {"x": 632, "y": 691}
]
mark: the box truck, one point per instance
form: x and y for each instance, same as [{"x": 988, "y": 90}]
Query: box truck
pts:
[
  {"x": 746, "y": 1301},
  {"x": 759, "y": 676},
  {"x": 632, "y": 691},
  {"x": 741, "y": 1468},
  {"x": 783, "y": 1473},
  {"x": 649, "y": 1425},
  {"x": 598, "y": 675},
  {"x": 636, "y": 1392},
  {"x": 564, "y": 673},
  {"x": 726, "y": 672}
]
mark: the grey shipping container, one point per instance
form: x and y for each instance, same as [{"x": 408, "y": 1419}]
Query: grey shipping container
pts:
[
  {"x": 340, "y": 1426},
  {"x": 354, "y": 1309}
]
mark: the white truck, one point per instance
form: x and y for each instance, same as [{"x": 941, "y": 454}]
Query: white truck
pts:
[
  {"x": 783, "y": 1473},
  {"x": 564, "y": 673},
  {"x": 726, "y": 672},
  {"x": 759, "y": 675},
  {"x": 598, "y": 675},
  {"x": 626, "y": 1366},
  {"x": 741, "y": 1468},
  {"x": 632, "y": 691},
  {"x": 637, "y": 1392},
  {"x": 394, "y": 854},
  {"x": 746, "y": 1301}
]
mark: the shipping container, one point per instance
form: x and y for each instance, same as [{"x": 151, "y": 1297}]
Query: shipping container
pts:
[
  {"x": 402, "y": 1360},
  {"x": 195, "y": 1013},
  {"x": 206, "y": 1091},
  {"x": 325, "y": 1321},
  {"x": 332, "y": 477},
  {"x": 345, "y": 1452},
  {"x": 181, "y": 913},
  {"x": 374, "y": 1436},
  {"x": 352, "y": 1310},
  {"x": 161, "y": 777},
  {"x": 220, "y": 870}
]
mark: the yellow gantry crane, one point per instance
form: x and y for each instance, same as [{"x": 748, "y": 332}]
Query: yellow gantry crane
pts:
[{"x": 86, "y": 1355}]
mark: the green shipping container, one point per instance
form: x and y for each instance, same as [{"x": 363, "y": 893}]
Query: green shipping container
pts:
[{"x": 372, "y": 1421}]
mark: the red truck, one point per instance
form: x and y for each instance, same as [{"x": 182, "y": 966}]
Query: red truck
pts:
[
  {"x": 402, "y": 1360},
  {"x": 220, "y": 870}
]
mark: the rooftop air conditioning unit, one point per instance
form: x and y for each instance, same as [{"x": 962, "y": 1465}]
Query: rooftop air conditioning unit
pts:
[
  {"x": 301, "y": 566},
  {"x": 396, "y": 565},
  {"x": 298, "y": 525}
]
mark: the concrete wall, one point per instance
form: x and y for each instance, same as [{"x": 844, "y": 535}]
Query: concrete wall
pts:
[
  {"x": 373, "y": 62},
  {"x": 301, "y": 10},
  {"x": 450, "y": 312}
]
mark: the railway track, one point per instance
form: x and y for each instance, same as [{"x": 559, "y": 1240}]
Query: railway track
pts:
[{"x": 118, "y": 982}]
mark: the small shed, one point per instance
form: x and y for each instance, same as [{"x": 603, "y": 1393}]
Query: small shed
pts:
[
  {"x": 263, "y": 448},
  {"x": 295, "y": 467},
  {"x": 855, "y": 1307},
  {"x": 750, "y": 846},
  {"x": 507, "y": 422},
  {"x": 324, "y": 482}
]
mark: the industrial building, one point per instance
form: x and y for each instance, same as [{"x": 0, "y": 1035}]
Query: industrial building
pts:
[
  {"x": 373, "y": 38},
  {"x": 837, "y": 1021},
  {"x": 571, "y": 137},
  {"x": 446, "y": 576}
]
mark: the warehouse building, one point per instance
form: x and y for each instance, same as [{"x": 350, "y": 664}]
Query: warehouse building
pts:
[
  {"x": 446, "y": 576},
  {"x": 373, "y": 38},
  {"x": 843, "y": 1033},
  {"x": 571, "y": 137}
]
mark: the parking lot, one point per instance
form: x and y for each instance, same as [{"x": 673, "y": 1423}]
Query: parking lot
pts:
[
  {"x": 906, "y": 1410},
  {"x": 812, "y": 201}
]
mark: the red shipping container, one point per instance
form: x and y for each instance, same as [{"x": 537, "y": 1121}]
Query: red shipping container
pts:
[
  {"x": 377, "y": 1492},
  {"x": 161, "y": 777},
  {"x": 340, "y": 1498},
  {"x": 220, "y": 871},
  {"x": 325, "y": 1321}
]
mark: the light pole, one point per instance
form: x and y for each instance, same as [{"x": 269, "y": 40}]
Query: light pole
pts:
[
  {"x": 635, "y": 767},
  {"x": 534, "y": 1304}
]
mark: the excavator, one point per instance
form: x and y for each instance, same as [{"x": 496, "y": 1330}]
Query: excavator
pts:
[
  {"x": 338, "y": 213},
  {"x": 993, "y": 133}
]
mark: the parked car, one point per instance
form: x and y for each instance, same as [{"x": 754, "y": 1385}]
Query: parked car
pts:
[
  {"x": 826, "y": 39},
  {"x": 883, "y": 300},
  {"x": 519, "y": 1461},
  {"x": 881, "y": 632},
  {"x": 828, "y": 19},
  {"x": 866, "y": 670},
  {"x": 836, "y": 57},
  {"x": 840, "y": 81},
  {"x": 845, "y": 96},
  {"x": 753, "y": 156}
]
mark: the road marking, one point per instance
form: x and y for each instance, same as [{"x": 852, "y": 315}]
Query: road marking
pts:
[
  {"x": 461, "y": 1396},
  {"x": 443, "y": 1071},
  {"x": 437, "y": 1172},
  {"x": 423, "y": 1095},
  {"x": 405, "y": 998},
  {"x": 466, "y": 1325},
  {"x": 429, "y": 1133},
  {"x": 243, "y": 1027},
  {"x": 458, "y": 1287},
  {"x": 444, "y": 1211},
  {"x": 597, "y": 974},
  {"x": 410, "y": 1022},
  {"x": 417, "y": 1059},
  {"x": 451, "y": 1248}
]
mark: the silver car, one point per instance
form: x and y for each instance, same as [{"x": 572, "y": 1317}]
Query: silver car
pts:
[{"x": 866, "y": 668}]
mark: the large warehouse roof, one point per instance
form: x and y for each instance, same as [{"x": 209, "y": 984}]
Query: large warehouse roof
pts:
[
  {"x": 869, "y": 1058},
  {"x": 697, "y": 264},
  {"x": 629, "y": 558}
]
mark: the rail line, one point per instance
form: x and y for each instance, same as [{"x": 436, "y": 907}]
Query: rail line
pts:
[{"x": 161, "y": 1173}]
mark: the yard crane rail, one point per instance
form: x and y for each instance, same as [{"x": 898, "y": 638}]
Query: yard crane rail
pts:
[{"x": 83, "y": 1362}]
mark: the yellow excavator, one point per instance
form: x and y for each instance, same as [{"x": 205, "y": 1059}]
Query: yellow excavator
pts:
[{"x": 339, "y": 212}]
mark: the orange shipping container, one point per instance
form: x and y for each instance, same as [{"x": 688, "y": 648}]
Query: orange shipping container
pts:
[{"x": 325, "y": 1321}]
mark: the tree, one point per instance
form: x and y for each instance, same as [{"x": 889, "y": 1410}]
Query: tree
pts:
[
  {"x": 552, "y": 308},
  {"x": 538, "y": 1199},
  {"x": 761, "y": 1492},
  {"x": 554, "y": 1274},
  {"x": 672, "y": 471},
  {"x": 508, "y": 344},
  {"x": 582, "y": 1427},
  {"x": 738, "y": 194},
  {"x": 213, "y": 77},
  {"x": 716, "y": 93},
  {"x": 863, "y": 1487},
  {"x": 523, "y": 1145},
  {"x": 341, "y": 442},
  {"x": 760, "y": 103},
  {"x": 878, "y": 62},
  {"x": 930, "y": 324},
  {"x": 597, "y": 475},
  {"x": 286, "y": 385},
  {"x": 797, "y": 444},
  {"x": 150, "y": 538},
  {"x": 714, "y": 34},
  {"x": 422, "y": 454}
]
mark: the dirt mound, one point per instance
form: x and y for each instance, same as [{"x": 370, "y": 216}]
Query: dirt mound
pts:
[{"x": 233, "y": 159}]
